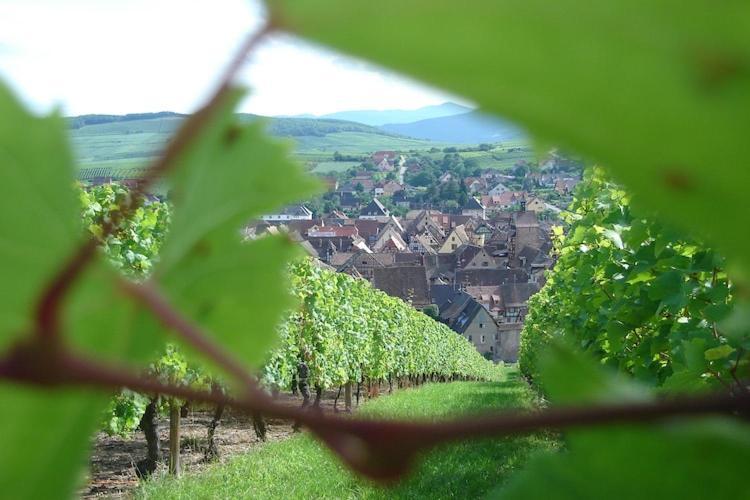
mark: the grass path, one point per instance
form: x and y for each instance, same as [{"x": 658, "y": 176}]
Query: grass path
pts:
[{"x": 300, "y": 467}]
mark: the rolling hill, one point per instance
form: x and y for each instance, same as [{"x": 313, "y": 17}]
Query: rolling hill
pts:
[
  {"x": 129, "y": 141},
  {"x": 465, "y": 128}
]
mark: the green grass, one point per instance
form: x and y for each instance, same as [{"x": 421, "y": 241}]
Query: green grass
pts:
[
  {"x": 325, "y": 167},
  {"x": 300, "y": 467}
]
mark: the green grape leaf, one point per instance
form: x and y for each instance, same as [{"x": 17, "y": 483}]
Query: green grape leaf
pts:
[
  {"x": 46, "y": 433},
  {"x": 102, "y": 321},
  {"x": 45, "y": 440},
  {"x": 38, "y": 210},
  {"x": 227, "y": 176},
  {"x": 659, "y": 98}
]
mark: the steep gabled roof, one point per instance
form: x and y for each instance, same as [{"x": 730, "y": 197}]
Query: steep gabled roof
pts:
[
  {"x": 487, "y": 277},
  {"x": 442, "y": 295},
  {"x": 472, "y": 204},
  {"x": 409, "y": 283},
  {"x": 526, "y": 219},
  {"x": 517, "y": 294},
  {"x": 375, "y": 209},
  {"x": 465, "y": 253},
  {"x": 458, "y": 309}
]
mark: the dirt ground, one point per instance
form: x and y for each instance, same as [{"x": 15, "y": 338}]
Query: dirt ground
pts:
[{"x": 112, "y": 469}]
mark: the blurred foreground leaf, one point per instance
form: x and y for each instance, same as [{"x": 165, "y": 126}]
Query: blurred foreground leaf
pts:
[
  {"x": 38, "y": 210},
  {"x": 228, "y": 176},
  {"x": 45, "y": 440},
  {"x": 694, "y": 459}
]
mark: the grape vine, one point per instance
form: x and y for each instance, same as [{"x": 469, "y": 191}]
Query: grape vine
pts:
[{"x": 638, "y": 296}]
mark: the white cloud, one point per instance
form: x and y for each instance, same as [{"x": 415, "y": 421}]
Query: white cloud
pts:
[{"x": 106, "y": 56}]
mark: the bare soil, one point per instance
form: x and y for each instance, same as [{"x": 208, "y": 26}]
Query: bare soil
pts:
[{"x": 112, "y": 466}]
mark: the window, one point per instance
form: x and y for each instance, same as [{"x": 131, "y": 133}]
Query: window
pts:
[
  {"x": 470, "y": 339},
  {"x": 481, "y": 325},
  {"x": 453, "y": 247},
  {"x": 485, "y": 264},
  {"x": 481, "y": 339},
  {"x": 496, "y": 337},
  {"x": 492, "y": 348}
]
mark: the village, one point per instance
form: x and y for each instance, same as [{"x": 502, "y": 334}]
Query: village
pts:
[{"x": 471, "y": 266}]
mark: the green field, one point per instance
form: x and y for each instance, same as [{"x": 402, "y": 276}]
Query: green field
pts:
[
  {"x": 358, "y": 142},
  {"x": 499, "y": 157},
  {"x": 325, "y": 167},
  {"x": 300, "y": 467}
]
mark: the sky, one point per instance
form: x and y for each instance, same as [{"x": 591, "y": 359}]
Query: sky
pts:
[{"x": 130, "y": 56}]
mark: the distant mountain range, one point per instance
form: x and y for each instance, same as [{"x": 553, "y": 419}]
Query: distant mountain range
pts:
[
  {"x": 469, "y": 128},
  {"x": 381, "y": 117}
]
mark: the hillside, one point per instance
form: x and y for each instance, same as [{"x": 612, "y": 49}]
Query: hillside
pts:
[
  {"x": 130, "y": 140},
  {"x": 466, "y": 128},
  {"x": 382, "y": 117}
]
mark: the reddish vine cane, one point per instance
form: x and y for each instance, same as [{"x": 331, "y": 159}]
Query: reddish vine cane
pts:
[{"x": 381, "y": 450}]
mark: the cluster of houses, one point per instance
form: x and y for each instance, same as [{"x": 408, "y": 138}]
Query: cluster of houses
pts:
[
  {"x": 474, "y": 271},
  {"x": 490, "y": 187}
]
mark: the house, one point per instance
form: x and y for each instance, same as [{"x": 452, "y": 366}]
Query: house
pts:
[
  {"x": 473, "y": 208},
  {"x": 465, "y": 253},
  {"x": 361, "y": 263},
  {"x": 527, "y": 232},
  {"x": 515, "y": 298},
  {"x": 455, "y": 239},
  {"x": 468, "y": 318},
  {"x": 480, "y": 260},
  {"x": 401, "y": 199},
  {"x": 535, "y": 204},
  {"x": 488, "y": 277},
  {"x": 499, "y": 189},
  {"x": 378, "y": 156},
  {"x": 406, "y": 282},
  {"x": 508, "y": 342},
  {"x": 391, "y": 187},
  {"x": 357, "y": 183},
  {"x": 290, "y": 212},
  {"x": 368, "y": 228},
  {"x": 388, "y": 188},
  {"x": 422, "y": 223},
  {"x": 375, "y": 211},
  {"x": 390, "y": 238},
  {"x": 384, "y": 165},
  {"x": 474, "y": 184},
  {"x": 326, "y": 246},
  {"x": 349, "y": 201},
  {"x": 441, "y": 268},
  {"x": 423, "y": 243},
  {"x": 332, "y": 232}
]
